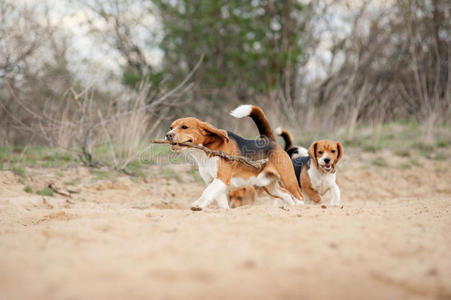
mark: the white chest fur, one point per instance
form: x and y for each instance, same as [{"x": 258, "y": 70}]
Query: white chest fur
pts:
[
  {"x": 321, "y": 183},
  {"x": 208, "y": 166}
]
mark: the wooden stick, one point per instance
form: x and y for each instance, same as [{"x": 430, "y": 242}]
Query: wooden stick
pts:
[{"x": 258, "y": 164}]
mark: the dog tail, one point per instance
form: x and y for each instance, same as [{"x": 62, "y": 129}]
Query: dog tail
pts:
[
  {"x": 258, "y": 116},
  {"x": 286, "y": 135}
]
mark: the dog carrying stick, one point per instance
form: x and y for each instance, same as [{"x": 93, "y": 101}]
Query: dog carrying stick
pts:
[{"x": 258, "y": 164}]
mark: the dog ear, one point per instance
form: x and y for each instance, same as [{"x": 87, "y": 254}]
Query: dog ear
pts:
[
  {"x": 312, "y": 150},
  {"x": 210, "y": 130},
  {"x": 312, "y": 153},
  {"x": 340, "y": 151}
]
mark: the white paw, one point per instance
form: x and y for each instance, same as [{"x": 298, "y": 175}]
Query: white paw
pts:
[{"x": 298, "y": 202}]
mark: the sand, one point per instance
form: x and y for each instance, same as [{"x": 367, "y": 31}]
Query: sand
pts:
[{"x": 138, "y": 240}]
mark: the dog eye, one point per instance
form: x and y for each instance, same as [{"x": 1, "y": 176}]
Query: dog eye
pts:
[
  {"x": 240, "y": 198},
  {"x": 320, "y": 152},
  {"x": 171, "y": 128},
  {"x": 333, "y": 151},
  {"x": 184, "y": 127}
]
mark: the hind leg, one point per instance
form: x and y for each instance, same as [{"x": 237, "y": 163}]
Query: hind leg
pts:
[
  {"x": 288, "y": 178},
  {"x": 275, "y": 198},
  {"x": 278, "y": 192}
]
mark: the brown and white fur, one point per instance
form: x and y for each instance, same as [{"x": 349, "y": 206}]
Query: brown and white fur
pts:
[
  {"x": 277, "y": 176},
  {"x": 242, "y": 196},
  {"x": 293, "y": 151},
  {"x": 321, "y": 177}
]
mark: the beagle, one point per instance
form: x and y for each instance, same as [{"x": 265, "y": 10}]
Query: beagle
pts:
[
  {"x": 319, "y": 177},
  {"x": 277, "y": 176},
  {"x": 242, "y": 196},
  {"x": 293, "y": 151}
]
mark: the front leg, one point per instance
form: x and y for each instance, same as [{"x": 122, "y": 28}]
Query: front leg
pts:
[
  {"x": 215, "y": 190},
  {"x": 222, "y": 201},
  {"x": 312, "y": 194},
  {"x": 335, "y": 196}
]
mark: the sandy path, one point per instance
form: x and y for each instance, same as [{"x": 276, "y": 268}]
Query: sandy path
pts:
[{"x": 121, "y": 241}]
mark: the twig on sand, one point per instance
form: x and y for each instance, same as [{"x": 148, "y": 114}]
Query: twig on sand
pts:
[{"x": 258, "y": 164}]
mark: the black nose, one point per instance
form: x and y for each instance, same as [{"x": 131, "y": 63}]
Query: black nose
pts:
[
  {"x": 169, "y": 136},
  {"x": 327, "y": 160}
]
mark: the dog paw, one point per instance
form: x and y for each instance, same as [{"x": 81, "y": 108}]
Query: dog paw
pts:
[
  {"x": 298, "y": 202},
  {"x": 196, "y": 208}
]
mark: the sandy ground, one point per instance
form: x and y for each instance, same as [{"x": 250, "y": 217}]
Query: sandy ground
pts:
[{"x": 139, "y": 240}]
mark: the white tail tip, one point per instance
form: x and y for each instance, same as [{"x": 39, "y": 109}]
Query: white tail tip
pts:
[
  {"x": 278, "y": 131},
  {"x": 241, "y": 111}
]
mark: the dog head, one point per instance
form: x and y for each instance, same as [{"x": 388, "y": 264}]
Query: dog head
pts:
[
  {"x": 195, "y": 131},
  {"x": 241, "y": 196},
  {"x": 325, "y": 154}
]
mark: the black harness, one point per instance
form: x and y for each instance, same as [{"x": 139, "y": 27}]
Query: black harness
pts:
[{"x": 298, "y": 163}]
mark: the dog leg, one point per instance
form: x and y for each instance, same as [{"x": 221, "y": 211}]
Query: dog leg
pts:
[
  {"x": 335, "y": 195},
  {"x": 215, "y": 189},
  {"x": 221, "y": 199},
  {"x": 288, "y": 194},
  {"x": 281, "y": 193},
  {"x": 312, "y": 194}
]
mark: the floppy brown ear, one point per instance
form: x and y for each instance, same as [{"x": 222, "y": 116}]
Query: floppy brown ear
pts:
[
  {"x": 210, "y": 130},
  {"x": 340, "y": 150},
  {"x": 312, "y": 152}
]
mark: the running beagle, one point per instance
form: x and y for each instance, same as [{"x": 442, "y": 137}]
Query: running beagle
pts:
[
  {"x": 277, "y": 176},
  {"x": 316, "y": 173}
]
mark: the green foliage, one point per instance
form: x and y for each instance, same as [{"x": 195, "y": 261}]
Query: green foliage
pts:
[
  {"x": 440, "y": 157},
  {"x": 371, "y": 148},
  {"x": 18, "y": 171},
  {"x": 403, "y": 153},
  {"x": 380, "y": 162},
  {"x": 169, "y": 173},
  {"x": 442, "y": 144},
  {"x": 131, "y": 78},
  {"x": 45, "y": 192},
  {"x": 405, "y": 165},
  {"x": 193, "y": 171},
  {"x": 36, "y": 156},
  {"x": 247, "y": 44},
  {"x": 28, "y": 189},
  {"x": 136, "y": 168}
]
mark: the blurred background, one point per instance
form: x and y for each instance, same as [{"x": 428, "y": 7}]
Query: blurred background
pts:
[{"x": 95, "y": 80}]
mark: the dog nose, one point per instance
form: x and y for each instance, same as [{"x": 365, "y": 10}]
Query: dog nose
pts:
[
  {"x": 327, "y": 160},
  {"x": 169, "y": 136}
]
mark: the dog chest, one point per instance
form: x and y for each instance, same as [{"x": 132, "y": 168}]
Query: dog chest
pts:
[
  {"x": 208, "y": 166},
  {"x": 321, "y": 182}
]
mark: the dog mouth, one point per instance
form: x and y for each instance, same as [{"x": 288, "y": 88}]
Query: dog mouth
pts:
[
  {"x": 180, "y": 147},
  {"x": 327, "y": 167}
]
